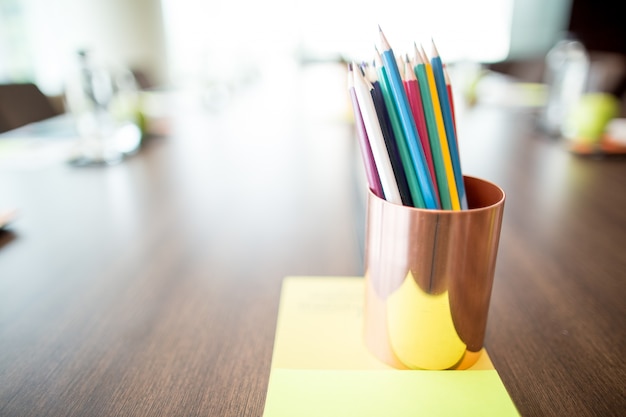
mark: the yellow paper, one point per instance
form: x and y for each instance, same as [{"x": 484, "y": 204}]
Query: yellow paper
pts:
[
  {"x": 320, "y": 366},
  {"x": 336, "y": 393},
  {"x": 319, "y": 325}
]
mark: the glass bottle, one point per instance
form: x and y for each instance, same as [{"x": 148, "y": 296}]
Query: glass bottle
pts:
[
  {"x": 567, "y": 69},
  {"x": 104, "y": 103}
]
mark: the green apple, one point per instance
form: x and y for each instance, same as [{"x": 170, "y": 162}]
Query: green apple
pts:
[{"x": 589, "y": 117}]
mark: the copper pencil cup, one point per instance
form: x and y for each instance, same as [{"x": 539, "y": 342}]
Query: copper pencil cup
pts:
[{"x": 429, "y": 275}]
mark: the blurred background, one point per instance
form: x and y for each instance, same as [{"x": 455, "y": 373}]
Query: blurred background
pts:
[
  {"x": 183, "y": 41},
  {"x": 219, "y": 45}
]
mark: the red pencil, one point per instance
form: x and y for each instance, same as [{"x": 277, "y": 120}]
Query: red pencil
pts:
[
  {"x": 450, "y": 98},
  {"x": 411, "y": 87}
]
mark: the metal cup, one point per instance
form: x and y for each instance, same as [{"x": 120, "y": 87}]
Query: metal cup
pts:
[{"x": 429, "y": 275}]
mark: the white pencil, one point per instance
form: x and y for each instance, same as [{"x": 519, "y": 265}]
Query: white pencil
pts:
[{"x": 363, "y": 90}]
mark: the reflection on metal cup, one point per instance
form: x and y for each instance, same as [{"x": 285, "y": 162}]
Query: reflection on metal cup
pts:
[{"x": 429, "y": 275}]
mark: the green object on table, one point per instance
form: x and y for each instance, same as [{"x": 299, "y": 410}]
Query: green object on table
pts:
[{"x": 589, "y": 117}]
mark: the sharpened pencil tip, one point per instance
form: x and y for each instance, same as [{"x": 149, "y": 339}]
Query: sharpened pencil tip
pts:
[
  {"x": 446, "y": 77},
  {"x": 408, "y": 69},
  {"x": 383, "y": 40},
  {"x": 435, "y": 53},
  {"x": 423, "y": 52},
  {"x": 416, "y": 55},
  {"x": 350, "y": 76},
  {"x": 378, "y": 58}
]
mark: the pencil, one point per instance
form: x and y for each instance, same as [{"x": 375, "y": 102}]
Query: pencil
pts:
[
  {"x": 450, "y": 95},
  {"x": 415, "y": 102},
  {"x": 390, "y": 140},
  {"x": 433, "y": 134},
  {"x": 441, "y": 130},
  {"x": 371, "y": 172},
  {"x": 363, "y": 88},
  {"x": 403, "y": 147},
  {"x": 448, "y": 123},
  {"x": 408, "y": 124}
]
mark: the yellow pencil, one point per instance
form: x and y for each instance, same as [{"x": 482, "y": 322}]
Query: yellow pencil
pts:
[{"x": 445, "y": 150}]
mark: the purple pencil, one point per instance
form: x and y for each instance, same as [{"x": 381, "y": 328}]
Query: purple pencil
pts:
[{"x": 366, "y": 151}]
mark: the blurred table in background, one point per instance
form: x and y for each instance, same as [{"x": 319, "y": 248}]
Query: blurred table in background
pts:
[{"x": 151, "y": 287}]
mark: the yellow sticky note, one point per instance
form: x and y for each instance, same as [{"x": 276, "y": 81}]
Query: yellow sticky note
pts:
[
  {"x": 319, "y": 325},
  {"x": 321, "y": 367},
  {"x": 341, "y": 393}
]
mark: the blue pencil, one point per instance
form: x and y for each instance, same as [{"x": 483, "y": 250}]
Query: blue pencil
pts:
[
  {"x": 448, "y": 122},
  {"x": 408, "y": 124}
]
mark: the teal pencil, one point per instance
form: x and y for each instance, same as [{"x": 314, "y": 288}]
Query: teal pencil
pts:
[{"x": 433, "y": 134}]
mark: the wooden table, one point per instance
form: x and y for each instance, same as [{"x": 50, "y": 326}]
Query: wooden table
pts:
[{"x": 151, "y": 287}]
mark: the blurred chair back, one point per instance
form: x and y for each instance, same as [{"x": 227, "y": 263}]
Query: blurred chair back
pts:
[{"x": 21, "y": 104}]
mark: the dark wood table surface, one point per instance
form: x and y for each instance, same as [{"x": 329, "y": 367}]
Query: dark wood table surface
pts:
[{"x": 151, "y": 287}]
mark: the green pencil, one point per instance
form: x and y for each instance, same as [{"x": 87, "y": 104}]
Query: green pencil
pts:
[{"x": 433, "y": 135}]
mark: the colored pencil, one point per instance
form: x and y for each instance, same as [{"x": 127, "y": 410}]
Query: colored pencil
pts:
[
  {"x": 363, "y": 89},
  {"x": 450, "y": 95},
  {"x": 433, "y": 133},
  {"x": 408, "y": 124},
  {"x": 371, "y": 172},
  {"x": 415, "y": 102},
  {"x": 446, "y": 112},
  {"x": 441, "y": 131},
  {"x": 390, "y": 142},
  {"x": 403, "y": 147}
]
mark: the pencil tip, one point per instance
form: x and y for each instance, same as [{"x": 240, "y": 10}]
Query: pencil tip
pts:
[
  {"x": 435, "y": 53},
  {"x": 423, "y": 52},
  {"x": 416, "y": 54},
  {"x": 355, "y": 69},
  {"x": 377, "y": 57},
  {"x": 407, "y": 63},
  {"x": 446, "y": 76},
  {"x": 383, "y": 40}
]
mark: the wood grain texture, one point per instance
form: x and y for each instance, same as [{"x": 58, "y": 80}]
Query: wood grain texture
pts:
[{"x": 151, "y": 288}]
